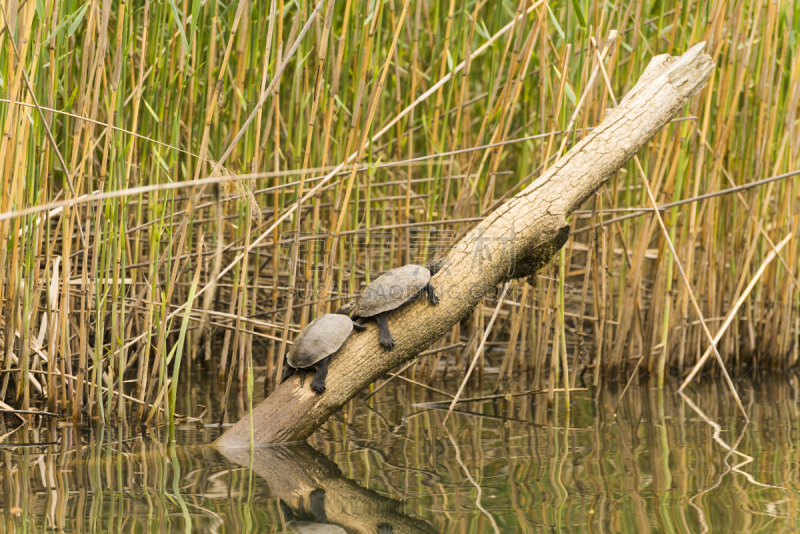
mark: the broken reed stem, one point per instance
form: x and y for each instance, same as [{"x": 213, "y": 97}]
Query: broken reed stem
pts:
[
  {"x": 734, "y": 309},
  {"x": 639, "y": 361},
  {"x": 409, "y": 364},
  {"x": 502, "y": 396},
  {"x": 478, "y": 351}
]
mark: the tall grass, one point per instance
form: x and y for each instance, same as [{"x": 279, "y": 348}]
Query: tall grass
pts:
[{"x": 313, "y": 146}]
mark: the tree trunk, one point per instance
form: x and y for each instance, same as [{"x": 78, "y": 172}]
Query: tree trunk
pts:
[{"x": 515, "y": 241}]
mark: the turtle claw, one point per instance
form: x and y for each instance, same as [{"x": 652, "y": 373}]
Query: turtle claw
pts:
[
  {"x": 318, "y": 383},
  {"x": 318, "y": 505},
  {"x": 432, "y": 294},
  {"x": 287, "y": 372},
  {"x": 384, "y": 336}
]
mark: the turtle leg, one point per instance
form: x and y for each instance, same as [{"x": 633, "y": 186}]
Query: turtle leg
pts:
[
  {"x": 384, "y": 335},
  {"x": 287, "y": 512},
  {"x": 385, "y": 528},
  {"x": 318, "y": 384},
  {"x": 288, "y": 371},
  {"x": 358, "y": 327},
  {"x": 318, "y": 506},
  {"x": 432, "y": 294}
]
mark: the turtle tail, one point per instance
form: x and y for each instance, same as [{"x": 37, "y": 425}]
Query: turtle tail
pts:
[{"x": 302, "y": 373}]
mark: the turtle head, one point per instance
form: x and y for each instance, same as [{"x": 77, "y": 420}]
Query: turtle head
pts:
[
  {"x": 437, "y": 265},
  {"x": 347, "y": 309}
]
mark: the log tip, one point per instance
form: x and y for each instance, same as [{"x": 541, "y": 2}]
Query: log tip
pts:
[{"x": 691, "y": 70}]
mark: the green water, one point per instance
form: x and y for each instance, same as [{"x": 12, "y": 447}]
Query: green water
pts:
[{"x": 664, "y": 463}]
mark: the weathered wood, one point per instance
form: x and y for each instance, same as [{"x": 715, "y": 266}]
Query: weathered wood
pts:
[
  {"x": 296, "y": 473},
  {"x": 516, "y": 240}
]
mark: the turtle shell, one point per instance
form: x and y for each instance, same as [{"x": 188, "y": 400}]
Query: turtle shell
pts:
[
  {"x": 393, "y": 289},
  {"x": 321, "y": 338},
  {"x": 307, "y": 527}
]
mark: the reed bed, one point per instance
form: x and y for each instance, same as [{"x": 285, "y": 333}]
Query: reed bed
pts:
[{"x": 189, "y": 184}]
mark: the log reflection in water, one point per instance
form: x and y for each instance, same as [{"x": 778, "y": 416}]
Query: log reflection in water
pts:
[{"x": 314, "y": 490}]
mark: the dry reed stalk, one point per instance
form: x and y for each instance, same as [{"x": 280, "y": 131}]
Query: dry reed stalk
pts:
[
  {"x": 561, "y": 331},
  {"x": 478, "y": 351}
]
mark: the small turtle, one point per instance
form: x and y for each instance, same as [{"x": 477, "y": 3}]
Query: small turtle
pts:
[
  {"x": 320, "y": 523},
  {"x": 393, "y": 289},
  {"x": 309, "y": 527},
  {"x": 306, "y": 527},
  {"x": 316, "y": 344}
]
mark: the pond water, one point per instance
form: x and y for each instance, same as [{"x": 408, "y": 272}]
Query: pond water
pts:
[{"x": 662, "y": 463}]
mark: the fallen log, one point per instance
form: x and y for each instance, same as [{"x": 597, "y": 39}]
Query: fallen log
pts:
[{"x": 515, "y": 241}]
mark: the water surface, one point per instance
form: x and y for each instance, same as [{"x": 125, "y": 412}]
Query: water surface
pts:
[{"x": 663, "y": 463}]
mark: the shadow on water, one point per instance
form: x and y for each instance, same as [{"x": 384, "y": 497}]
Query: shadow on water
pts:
[{"x": 663, "y": 463}]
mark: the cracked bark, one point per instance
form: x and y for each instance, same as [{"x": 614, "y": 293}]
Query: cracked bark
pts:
[{"x": 513, "y": 242}]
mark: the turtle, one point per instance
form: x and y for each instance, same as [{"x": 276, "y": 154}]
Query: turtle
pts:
[
  {"x": 390, "y": 291},
  {"x": 300, "y": 522},
  {"x": 320, "y": 523},
  {"x": 307, "y": 527},
  {"x": 316, "y": 344}
]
